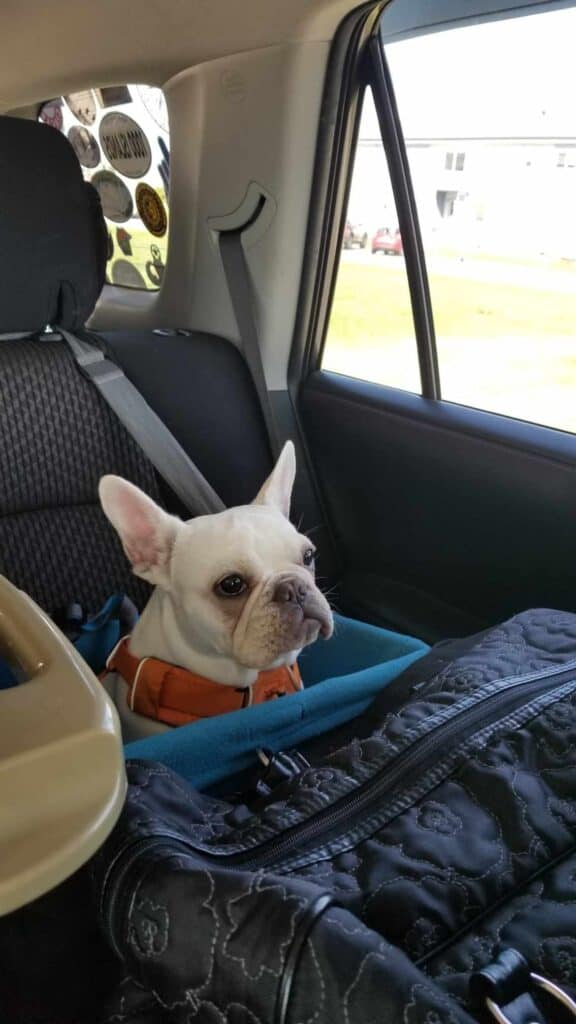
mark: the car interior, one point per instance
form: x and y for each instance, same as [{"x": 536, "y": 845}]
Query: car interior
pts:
[{"x": 433, "y": 516}]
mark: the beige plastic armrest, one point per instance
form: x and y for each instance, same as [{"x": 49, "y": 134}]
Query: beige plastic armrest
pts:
[{"x": 62, "y": 778}]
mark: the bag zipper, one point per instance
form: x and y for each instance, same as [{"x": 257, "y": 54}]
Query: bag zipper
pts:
[
  {"x": 452, "y": 733},
  {"x": 421, "y": 755}
]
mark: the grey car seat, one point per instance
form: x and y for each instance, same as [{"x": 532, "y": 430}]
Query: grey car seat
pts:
[{"x": 58, "y": 435}]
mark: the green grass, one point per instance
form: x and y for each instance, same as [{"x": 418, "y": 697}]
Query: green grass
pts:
[
  {"x": 509, "y": 348},
  {"x": 374, "y": 302}
]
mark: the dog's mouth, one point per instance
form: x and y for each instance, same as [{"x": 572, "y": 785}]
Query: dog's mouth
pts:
[
  {"x": 277, "y": 628},
  {"x": 316, "y": 619}
]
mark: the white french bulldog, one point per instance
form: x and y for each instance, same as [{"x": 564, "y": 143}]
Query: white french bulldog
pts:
[{"x": 234, "y": 592}]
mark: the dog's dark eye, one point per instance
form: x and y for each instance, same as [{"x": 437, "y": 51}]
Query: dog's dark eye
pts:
[
  {"x": 308, "y": 556},
  {"x": 231, "y": 586}
]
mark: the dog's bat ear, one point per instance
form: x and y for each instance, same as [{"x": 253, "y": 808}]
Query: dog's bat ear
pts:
[
  {"x": 146, "y": 531},
  {"x": 277, "y": 491}
]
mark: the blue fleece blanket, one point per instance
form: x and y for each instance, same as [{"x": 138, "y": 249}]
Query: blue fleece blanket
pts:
[{"x": 341, "y": 677}]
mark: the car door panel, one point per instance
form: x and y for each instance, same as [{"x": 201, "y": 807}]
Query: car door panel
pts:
[{"x": 447, "y": 518}]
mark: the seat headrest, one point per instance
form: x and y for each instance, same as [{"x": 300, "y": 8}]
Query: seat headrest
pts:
[{"x": 53, "y": 236}]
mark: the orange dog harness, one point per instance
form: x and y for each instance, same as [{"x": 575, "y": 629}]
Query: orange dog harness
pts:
[{"x": 176, "y": 696}]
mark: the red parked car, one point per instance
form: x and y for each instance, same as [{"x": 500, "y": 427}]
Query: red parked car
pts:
[{"x": 387, "y": 240}]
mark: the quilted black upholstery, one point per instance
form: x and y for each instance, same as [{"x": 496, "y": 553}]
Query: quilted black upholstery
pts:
[{"x": 58, "y": 439}]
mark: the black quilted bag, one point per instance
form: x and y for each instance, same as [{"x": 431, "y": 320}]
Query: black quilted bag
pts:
[{"x": 423, "y": 872}]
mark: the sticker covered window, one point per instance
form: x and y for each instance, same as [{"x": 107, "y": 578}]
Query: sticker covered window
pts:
[{"x": 121, "y": 138}]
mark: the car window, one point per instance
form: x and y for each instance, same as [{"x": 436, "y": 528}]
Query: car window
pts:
[
  {"x": 371, "y": 332},
  {"x": 121, "y": 137},
  {"x": 491, "y": 143}
]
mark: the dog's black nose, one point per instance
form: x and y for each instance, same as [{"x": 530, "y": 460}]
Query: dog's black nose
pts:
[{"x": 290, "y": 592}]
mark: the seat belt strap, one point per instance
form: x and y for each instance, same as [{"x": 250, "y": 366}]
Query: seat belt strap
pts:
[
  {"x": 160, "y": 446},
  {"x": 241, "y": 293}
]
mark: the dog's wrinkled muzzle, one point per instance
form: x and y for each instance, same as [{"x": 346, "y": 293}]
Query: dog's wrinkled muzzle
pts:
[{"x": 304, "y": 602}]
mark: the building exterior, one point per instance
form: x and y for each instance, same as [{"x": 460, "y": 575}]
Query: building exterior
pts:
[{"x": 504, "y": 195}]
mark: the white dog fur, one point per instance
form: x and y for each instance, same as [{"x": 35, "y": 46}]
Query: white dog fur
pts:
[{"x": 189, "y": 620}]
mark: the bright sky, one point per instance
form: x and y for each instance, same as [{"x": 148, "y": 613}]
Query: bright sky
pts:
[{"x": 506, "y": 78}]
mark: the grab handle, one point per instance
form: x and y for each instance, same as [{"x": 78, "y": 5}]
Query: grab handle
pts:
[{"x": 62, "y": 779}]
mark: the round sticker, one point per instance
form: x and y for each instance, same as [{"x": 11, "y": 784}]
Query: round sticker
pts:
[
  {"x": 116, "y": 200},
  {"x": 85, "y": 146},
  {"x": 83, "y": 106},
  {"x": 153, "y": 100},
  {"x": 127, "y": 275},
  {"x": 125, "y": 146},
  {"x": 51, "y": 113},
  {"x": 151, "y": 209}
]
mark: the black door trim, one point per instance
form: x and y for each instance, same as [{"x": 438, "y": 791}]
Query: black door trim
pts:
[
  {"x": 335, "y": 148},
  {"x": 393, "y": 141}
]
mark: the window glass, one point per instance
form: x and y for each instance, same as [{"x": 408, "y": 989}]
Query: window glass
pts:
[
  {"x": 488, "y": 117},
  {"x": 370, "y": 331},
  {"x": 120, "y": 135}
]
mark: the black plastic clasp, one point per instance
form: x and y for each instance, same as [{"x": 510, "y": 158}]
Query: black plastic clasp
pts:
[
  {"x": 280, "y": 767},
  {"x": 505, "y": 989}
]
